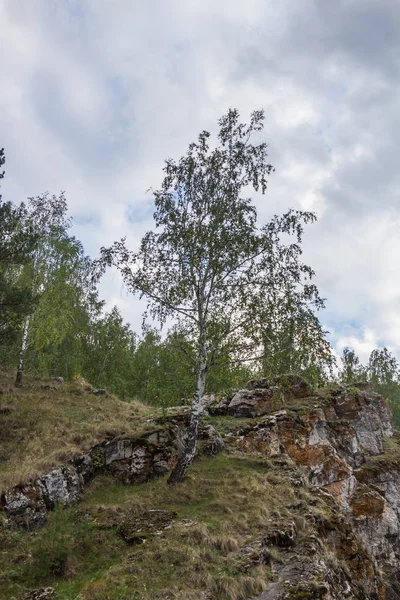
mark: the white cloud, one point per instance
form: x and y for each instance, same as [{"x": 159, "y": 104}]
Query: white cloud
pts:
[{"x": 362, "y": 343}]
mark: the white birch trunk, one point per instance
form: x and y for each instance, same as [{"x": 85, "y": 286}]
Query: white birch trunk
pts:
[
  {"x": 189, "y": 452},
  {"x": 24, "y": 345}
]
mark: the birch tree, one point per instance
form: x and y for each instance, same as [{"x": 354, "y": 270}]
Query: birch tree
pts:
[{"x": 207, "y": 264}]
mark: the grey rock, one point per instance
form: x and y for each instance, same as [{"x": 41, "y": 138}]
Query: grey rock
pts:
[
  {"x": 282, "y": 537},
  {"x": 207, "y": 401},
  {"x": 262, "y": 383},
  {"x": 137, "y": 460},
  {"x": 213, "y": 406},
  {"x": 210, "y": 442},
  {"x": 84, "y": 466},
  {"x": 41, "y": 594},
  {"x": 305, "y": 573},
  {"x": 24, "y": 507},
  {"x": 160, "y": 437},
  {"x": 160, "y": 466},
  {"x": 293, "y": 385},
  {"x": 61, "y": 486},
  {"x": 100, "y": 392}
]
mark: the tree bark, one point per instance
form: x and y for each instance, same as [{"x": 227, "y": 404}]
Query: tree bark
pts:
[
  {"x": 189, "y": 452},
  {"x": 24, "y": 345},
  {"x": 18, "y": 379}
]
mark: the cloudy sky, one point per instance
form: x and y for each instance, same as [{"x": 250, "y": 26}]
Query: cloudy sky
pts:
[{"x": 95, "y": 94}]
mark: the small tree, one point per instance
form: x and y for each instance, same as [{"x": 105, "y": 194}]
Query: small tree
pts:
[
  {"x": 352, "y": 369},
  {"x": 208, "y": 264},
  {"x": 285, "y": 323},
  {"x": 384, "y": 374},
  {"x": 383, "y": 370}
]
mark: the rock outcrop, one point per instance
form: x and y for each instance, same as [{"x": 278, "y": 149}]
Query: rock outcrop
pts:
[
  {"x": 337, "y": 440},
  {"x": 131, "y": 461},
  {"x": 26, "y": 506},
  {"x": 338, "y": 444}
]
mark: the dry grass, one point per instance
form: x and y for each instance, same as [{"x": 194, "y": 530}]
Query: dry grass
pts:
[
  {"x": 224, "y": 507},
  {"x": 42, "y": 428}
]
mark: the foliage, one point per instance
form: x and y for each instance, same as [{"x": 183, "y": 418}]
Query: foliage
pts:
[
  {"x": 163, "y": 374},
  {"x": 109, "y": 349},
  {"x": 293, "y": 338},
  {"x": 17, "y": 242},
  {"x": 57, "y": 275},
  {"x": 352, "y": 369}
]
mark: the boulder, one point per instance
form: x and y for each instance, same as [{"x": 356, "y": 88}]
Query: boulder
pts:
[
  {"x": 251, "y": 403},
  {"x": 25, "y": 507},
  {"x": 262, "y": 383},
  {"x": 61, "y": 486},
  {"x": 137, "y": 460},
  {"x": 210, "y": 442},
  {"x": 292, "y": 385},
  {"x": 215, "y": 406},
  {"x": 100, "y": 392}
]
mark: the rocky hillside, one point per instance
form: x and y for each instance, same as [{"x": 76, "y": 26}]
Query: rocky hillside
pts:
[{"x": 295, "y": 495}]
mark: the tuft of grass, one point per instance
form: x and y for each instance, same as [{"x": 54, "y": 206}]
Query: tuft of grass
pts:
[{"x": 228, "y": 587}]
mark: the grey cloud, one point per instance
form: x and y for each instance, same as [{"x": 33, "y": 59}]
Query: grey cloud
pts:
[{"x": 102, "y": 92}]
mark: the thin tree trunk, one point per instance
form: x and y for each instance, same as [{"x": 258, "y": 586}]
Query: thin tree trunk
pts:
[
  {"x": 18, "y": 379},
  {"x": 24, "y": 345},
  {"x": 189, "y": 452}
]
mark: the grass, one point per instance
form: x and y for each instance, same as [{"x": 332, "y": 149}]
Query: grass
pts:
[
  {"x": 44, "y": 424},
  {"x": 220, "y": 512},
  {"x": 42, "y": 428},
  {"x": 225, "y": 504}
]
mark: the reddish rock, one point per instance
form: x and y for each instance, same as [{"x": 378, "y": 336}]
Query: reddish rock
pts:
[
  {"x": 368, "y": 504},
  {"x": 251, "y": 403}
]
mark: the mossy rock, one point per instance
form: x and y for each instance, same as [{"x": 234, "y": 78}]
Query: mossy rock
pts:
[{"x": 138, "y": 529}]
